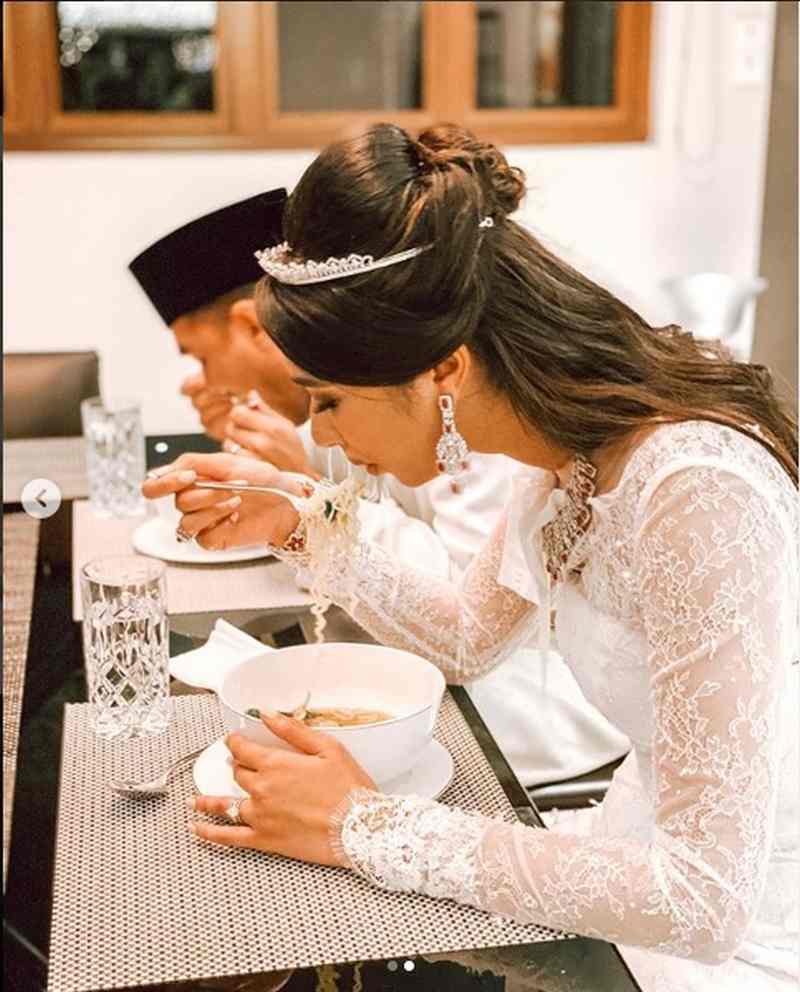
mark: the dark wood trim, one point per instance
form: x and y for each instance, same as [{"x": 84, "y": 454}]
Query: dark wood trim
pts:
[
  {"x": 247, "y": 91},
  {"x": 452, "y": 49},
  {"x": 627, "y": 120},
  {"x": 25, "y": 89},
  {"x": 45, "y": 127}
]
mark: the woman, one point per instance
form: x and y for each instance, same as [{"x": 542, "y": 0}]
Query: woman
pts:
[{"x": 657, "y": 520}]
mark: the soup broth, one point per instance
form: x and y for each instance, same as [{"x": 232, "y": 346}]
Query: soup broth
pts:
[
  {"x": 338, "y": 717},
  {"x": 341, "y": 717}
]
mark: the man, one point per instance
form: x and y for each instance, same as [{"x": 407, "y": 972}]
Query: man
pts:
[
  {"x": 200, "y": 280},
  {"x": 203, "y": 290}
]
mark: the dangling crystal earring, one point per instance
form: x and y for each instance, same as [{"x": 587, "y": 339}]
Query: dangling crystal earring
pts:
[{"x": 451, "y": 449}]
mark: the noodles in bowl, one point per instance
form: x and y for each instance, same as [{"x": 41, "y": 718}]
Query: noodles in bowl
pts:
[
  {"x": 336, "y": 717},
  {"x": 380, "y": 703}
]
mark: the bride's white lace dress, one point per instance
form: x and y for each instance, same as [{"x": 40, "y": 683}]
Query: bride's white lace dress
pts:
[{"x": 681, "y": 629}]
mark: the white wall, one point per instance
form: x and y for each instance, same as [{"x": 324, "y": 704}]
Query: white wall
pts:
[{"x": 688, "y": 199}]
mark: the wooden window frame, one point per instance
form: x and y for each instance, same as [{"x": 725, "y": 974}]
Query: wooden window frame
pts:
[
  {"x": 246, "y": 90},
  {"x": 44, "y": 126}
]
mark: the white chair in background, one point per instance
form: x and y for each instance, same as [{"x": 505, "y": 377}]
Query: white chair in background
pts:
[{"x": 712, "y": 304}]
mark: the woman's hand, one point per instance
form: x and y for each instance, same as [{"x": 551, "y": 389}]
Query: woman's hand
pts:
[
  {"x": 292, "y": 795},
  {"x": 219, "y": 519},
  {"x": 266, "y": 434}
]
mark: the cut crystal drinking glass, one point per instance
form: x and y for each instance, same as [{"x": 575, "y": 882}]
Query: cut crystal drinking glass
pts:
[
  {"x": 115, "y": 458},
  {"x": 126, "y": 645}
]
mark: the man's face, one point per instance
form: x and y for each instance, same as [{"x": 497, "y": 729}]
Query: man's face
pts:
[
  {"x": 238, "y": 356},
  {"x": 230, "y": 360}
]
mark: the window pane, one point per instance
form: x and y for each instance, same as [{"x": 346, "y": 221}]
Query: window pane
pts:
[
  {"x": 550, "y": 53},
  {"x": 349, "y": 55},
  {"x": 145, "y": 56}
]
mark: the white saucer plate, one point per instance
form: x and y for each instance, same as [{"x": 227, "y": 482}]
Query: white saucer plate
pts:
[
  {"x": 156, "y": 538},
  {"x": 213, "y": 773}
]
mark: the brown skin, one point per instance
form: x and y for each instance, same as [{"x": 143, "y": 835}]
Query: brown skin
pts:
[
  {"x": 237, "y": 357},
  {"x": 391, "y": 429},
  {"x": 320, "y": 766},
  {"x": 258, "y": 429},
  {"x": 264, "y": 433},
  {"x": 213, "y": 405},
  {"x": 258, "y": 518}
]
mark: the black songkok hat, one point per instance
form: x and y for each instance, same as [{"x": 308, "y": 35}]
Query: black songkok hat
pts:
[{"x": 210, "y": 256}]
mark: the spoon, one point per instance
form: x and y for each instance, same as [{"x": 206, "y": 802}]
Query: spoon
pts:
[
  {"x": 299, "y": 713},
  {"x": 153, "y": 786}
]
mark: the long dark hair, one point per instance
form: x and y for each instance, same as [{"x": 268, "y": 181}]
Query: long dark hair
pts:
[{"x": 575, "y": 362}]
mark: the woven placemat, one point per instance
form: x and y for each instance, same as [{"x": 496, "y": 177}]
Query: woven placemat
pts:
[
  {"x": 264, "y": 584},
  {"x": 138, "y": 901},
  {"x": 60, "y": 459},
  {"x": 20, "y": 544}
]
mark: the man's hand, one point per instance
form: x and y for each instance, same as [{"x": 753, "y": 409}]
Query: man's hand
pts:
[
  {"x": 260, "y": 431},
  {"x": 213, "y": 405}
]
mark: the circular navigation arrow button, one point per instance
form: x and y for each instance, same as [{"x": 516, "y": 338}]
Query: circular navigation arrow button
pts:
[{"x": 41, "y": 498}]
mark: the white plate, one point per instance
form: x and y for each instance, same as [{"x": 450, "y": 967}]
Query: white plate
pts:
[
  {"x": 213, "y": 774},
  {"x": 156, "y": 538}
]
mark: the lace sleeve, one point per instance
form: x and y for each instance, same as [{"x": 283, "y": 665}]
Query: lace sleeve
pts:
[
  {"x": 713, "y": 578},
  {"x": 464, "y": 628}
]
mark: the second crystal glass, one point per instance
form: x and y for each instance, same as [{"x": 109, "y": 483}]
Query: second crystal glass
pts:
[{"x": 115, "y": 458}]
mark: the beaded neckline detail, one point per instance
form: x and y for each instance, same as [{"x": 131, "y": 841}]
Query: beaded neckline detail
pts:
[{"x": 572, "y": 521}]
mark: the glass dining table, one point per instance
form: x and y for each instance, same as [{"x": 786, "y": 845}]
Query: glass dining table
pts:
[{"x": 54, "y": 650}]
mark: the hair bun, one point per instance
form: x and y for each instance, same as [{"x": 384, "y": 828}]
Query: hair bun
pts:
[{"x": 446, "y": 145}]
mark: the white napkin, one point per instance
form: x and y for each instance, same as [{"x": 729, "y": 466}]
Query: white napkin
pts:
[{"x": 207, "y": 666}]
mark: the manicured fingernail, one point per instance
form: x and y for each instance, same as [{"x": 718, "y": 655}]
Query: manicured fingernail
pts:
[
  {"x": 193, "y": 828},
  {"x": 190, "y": 802},
  {"x": 233, "y": 502},
  {"x": 188, "y": 476},
  {"x": 253, "y": 399},
  {"x": 234, "y": 517},
  {"x": 156, "y": 473}
]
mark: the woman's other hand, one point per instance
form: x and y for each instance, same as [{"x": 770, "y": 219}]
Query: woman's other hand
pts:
[
  {"x": 263, "y": 432},
  {"x": 292, "y": 794},
  {"x": 220, "y": 519}
]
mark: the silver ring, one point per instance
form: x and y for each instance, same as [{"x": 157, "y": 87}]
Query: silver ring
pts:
[
  {"x": 234, "y": 812},
  {"x": 232, "y": 447},
  {"x": 181, "y": 536}
]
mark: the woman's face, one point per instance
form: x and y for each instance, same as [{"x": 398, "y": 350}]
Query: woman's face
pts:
[{"x": 387, "y": 429}]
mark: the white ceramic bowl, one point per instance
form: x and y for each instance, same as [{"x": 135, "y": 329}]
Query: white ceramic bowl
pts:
[{"x": 364, "y": 676}]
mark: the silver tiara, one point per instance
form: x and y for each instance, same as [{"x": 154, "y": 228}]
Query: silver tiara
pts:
[{"x": 300, "y": 273}]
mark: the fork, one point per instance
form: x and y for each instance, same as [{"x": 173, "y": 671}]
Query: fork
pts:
[{"x": 243, "y": 486}]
